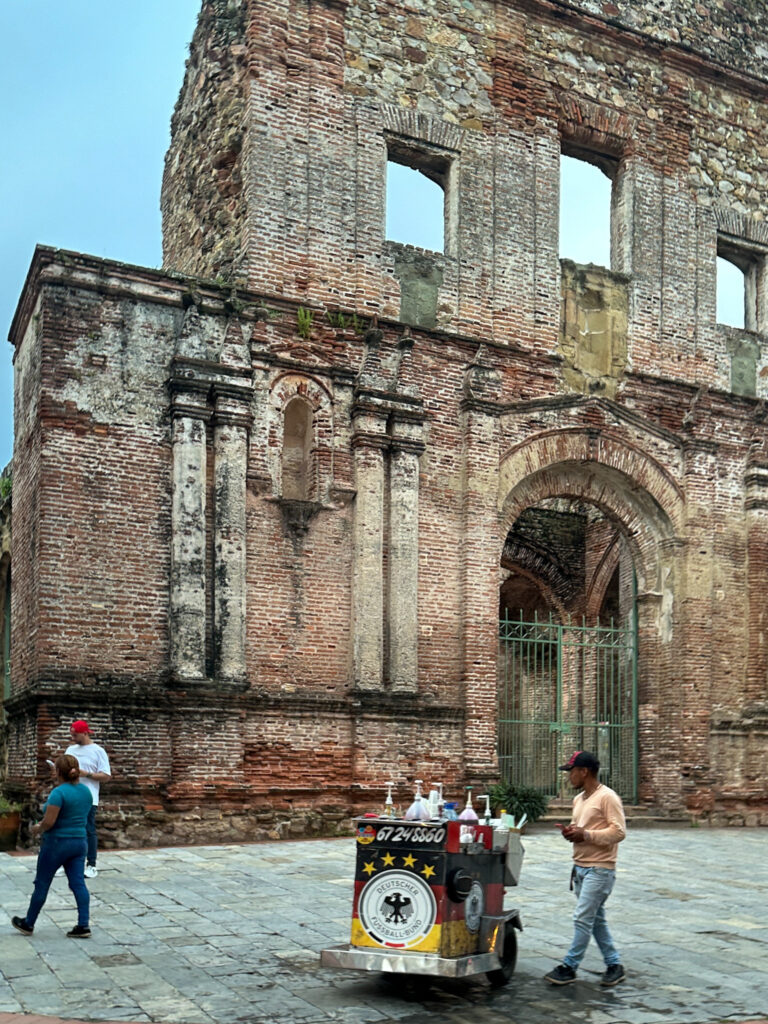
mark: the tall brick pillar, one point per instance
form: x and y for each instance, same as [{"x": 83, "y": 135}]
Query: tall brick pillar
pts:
[
  {"x": 689, "y": 696},
  {"x": 189, "y": 412},
  {"x": 403, "y": 594},
  {"x": 232, "y": 420},
  {"x": 480, "y": 555}
]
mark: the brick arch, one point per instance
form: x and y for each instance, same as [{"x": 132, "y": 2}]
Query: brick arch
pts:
[
  {"x": 536, "y": 565},
  {"x": 601, "y": 577},
  {"x": 635, "y": 472},
  {"x": 634, "y": 511},
  {"x": 534, "y": 576}
]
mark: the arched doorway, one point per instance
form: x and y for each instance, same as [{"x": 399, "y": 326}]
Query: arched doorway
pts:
[
  {"x": 588, "y": 481},
  {"x": 567, "y": 647}
]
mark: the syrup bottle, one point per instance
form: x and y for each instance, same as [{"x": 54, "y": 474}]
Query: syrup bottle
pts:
[
  {"x": 418, "y": 810},
  {"x": 468, "y": 814}
]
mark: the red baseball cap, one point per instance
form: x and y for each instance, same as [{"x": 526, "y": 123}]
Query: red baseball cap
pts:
[{"x": 79, "y": 726}]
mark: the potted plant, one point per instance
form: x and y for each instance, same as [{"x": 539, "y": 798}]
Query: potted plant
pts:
[
  {"x": 10, "y": 816},
  {"x": 518, "y": 800}
]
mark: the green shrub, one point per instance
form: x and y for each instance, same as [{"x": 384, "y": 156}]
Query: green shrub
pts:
[
  {"x": 8, "y": 806},
  {"x": 518, "y": 800}
]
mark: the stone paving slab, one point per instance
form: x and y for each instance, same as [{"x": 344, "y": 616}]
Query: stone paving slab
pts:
[{"x": 231, "y": 935}]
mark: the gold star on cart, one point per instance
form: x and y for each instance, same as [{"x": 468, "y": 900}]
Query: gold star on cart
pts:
[
  {"x": 409, "y": 861},
  {"x": 388, "y": 860},
  {"x": 427, "y": 871},
  {"x": 369, "y": 868}
]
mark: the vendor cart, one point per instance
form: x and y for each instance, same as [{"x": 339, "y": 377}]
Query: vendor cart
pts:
[{"x": 429, "y": 900}]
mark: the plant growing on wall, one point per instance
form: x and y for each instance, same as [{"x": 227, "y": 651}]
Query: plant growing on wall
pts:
[
  {"x": 6, "y": 486},
  {"x": 337, "y": 320},
  {"x": 304, "y": 318}
]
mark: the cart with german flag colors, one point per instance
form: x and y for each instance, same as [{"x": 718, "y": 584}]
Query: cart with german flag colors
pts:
[{"x": 429, "y": 899}]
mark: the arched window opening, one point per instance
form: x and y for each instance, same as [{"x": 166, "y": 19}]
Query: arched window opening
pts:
[
  {"x": 297, "y": 450},
  {"x": 416, "y": 204},
  {"x": 586, "y": 197}
]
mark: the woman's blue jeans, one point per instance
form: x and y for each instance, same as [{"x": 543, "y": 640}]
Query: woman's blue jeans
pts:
[
  {"x": 90, "y": 836},
  {"x": 55, "y": 853},
  {"x": 593, "y": 887}
]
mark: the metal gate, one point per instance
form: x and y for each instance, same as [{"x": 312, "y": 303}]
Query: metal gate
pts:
[{"x": 566, "y": 687}]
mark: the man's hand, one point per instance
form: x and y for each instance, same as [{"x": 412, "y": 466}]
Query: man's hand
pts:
[{"x": 574, "y": 834}]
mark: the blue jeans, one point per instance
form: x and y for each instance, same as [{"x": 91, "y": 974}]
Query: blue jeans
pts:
[
  {"x": 90, "y": 835},
  {"x": 55, "y": 853},
  {"x": 593, "y": 887}
]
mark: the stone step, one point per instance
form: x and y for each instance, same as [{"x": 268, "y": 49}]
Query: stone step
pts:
[{"x": 637, "y": 816}]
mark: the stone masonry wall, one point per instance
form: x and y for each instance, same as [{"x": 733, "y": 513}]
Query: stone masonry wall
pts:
[
  {"x": 260, "y": 658},
  {"x": 203, "y": 235},
  {"x": 533, "y": 77},
  {"x": 298, "y": 740}
]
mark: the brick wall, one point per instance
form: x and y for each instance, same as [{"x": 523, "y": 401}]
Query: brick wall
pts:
[{"x": 259, "y": 662}]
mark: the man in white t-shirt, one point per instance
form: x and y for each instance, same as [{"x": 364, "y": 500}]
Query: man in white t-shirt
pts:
[{"x": 94, "y": 769}]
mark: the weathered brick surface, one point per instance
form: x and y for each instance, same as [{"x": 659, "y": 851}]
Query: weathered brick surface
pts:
[{"x": 277, "y": 653}]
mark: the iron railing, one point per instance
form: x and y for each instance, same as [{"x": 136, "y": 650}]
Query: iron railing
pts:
[{"x": 567, "y": 686}]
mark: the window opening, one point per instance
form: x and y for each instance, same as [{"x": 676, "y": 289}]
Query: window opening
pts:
[
  {"x": 586, "y": 194},
  {"x": 297, "y": 450},
  {"x": 416, "y": 198},
  {"x": 731, "y": 294}
]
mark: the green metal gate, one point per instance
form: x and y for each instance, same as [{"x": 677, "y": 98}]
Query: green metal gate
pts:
[{"x": 566, "y": 687}]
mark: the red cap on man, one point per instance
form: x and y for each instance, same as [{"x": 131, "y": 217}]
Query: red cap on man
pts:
[{"x": 80, "y": 726}]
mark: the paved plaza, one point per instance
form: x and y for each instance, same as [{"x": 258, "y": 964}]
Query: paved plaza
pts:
[{"x": 232, "y": 934}]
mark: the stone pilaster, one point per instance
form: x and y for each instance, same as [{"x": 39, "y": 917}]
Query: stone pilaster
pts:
[
  {"x": 756, "y": 507},
  {"x": 369, "y": 444},
  {"x": 403, "y": 590},
  {"x": 189, "y": 412},
  {"x": 232, "y": 419}
]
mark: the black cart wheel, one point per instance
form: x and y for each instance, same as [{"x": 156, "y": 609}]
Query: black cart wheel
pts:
[{"x": 508, "y": 958}]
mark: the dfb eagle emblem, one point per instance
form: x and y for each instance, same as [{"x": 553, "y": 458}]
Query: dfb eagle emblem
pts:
[{"x": 396, "y": 909}]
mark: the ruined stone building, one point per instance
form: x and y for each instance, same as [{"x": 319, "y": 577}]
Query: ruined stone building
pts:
[{"x": 309, "y": 509}]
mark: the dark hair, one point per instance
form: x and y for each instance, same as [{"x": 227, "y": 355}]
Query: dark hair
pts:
[{"x": 67, "y": 768}]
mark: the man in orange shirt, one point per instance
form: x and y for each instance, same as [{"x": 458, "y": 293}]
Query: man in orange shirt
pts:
[{"x": 597, "y": 827}]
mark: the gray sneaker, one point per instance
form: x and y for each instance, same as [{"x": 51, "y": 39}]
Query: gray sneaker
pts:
[{"x": 613, "y": 975}]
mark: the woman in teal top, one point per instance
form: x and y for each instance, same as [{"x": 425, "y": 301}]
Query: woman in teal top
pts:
[{"x": 64, "y": 845}]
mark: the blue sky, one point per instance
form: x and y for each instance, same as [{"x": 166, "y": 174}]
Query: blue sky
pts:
[{"x": 88, "y": 90}]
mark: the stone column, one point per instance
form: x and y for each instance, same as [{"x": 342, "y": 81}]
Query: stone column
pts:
[
  {"x": 232, "y": 420},
  {"x": 189, "y": 412},
  {"x": 403, "y": 592},
  {"x": 756, "y": 506},
  {"x": 369, "y": 444}
]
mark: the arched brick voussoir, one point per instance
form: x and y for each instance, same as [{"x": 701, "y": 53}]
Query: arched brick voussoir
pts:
[
  {"x": 636, "y": 513},
  {"x": 598, "y": 584},
  {"x": 604, "y": 448}
]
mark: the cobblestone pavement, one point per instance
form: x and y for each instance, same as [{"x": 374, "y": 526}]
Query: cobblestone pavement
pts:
[{"x": 231, "y": 934}]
